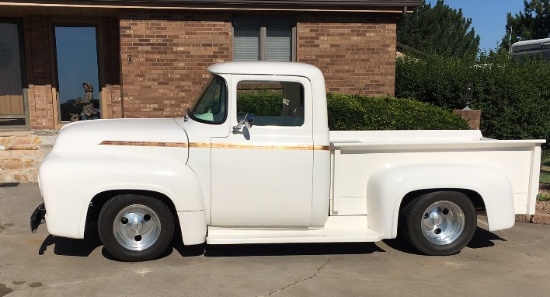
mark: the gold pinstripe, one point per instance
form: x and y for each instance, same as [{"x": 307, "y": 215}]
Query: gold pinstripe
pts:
[
  {"x": 144, "y": 143},
  {"x": 216, "y": 145}
]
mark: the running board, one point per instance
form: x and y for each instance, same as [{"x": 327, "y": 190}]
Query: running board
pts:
[{"x": 337, "y": 229}]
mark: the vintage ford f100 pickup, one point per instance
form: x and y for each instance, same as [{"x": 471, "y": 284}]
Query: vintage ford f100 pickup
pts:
[{"x": 253, "y": 161}]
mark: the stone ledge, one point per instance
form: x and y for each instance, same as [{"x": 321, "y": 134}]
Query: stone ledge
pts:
[
  {"x": 21, "y": 153},
  {"x": 538, "y": 218},
  {"x": 20, "y": 142}
]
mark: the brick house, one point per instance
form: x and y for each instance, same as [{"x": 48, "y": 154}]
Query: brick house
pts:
[
  {"x": 148, "y": 58},
  {"x": 151, "y": 56}
]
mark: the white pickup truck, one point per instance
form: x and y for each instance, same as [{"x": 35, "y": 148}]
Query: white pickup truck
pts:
[{"x": 240, "y": 169}]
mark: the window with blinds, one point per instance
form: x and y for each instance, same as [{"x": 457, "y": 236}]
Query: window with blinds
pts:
[{"x": 263, "y": 39}]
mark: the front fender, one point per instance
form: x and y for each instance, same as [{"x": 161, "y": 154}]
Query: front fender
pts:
[
  {"x": 68, "y": 190},
  {"x": 387, "y": 187}
]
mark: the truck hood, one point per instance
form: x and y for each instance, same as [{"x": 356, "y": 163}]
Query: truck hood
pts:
[{"x": 161, "y": 138}]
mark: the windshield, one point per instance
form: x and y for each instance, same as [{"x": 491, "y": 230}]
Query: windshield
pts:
[{"x": 211, "y": 106}]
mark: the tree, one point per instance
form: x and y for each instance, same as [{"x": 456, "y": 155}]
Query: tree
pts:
[
  {"x": 532, "y": 23},
  {"x": 440, "y": 30}
]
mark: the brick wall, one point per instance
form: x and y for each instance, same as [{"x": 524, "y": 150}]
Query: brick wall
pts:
[
  {"x": 153, "y": 63},
  {"x": 164, "y": 58},
  {"x": 355, "y": 52},
  {"x": 472, "y": 116}
]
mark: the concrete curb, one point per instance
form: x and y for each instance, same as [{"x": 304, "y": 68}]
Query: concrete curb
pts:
[{"x": 543, "y": 219}]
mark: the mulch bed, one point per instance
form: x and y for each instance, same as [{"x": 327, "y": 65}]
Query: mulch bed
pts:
[
  {"x": 543, "y": 207},
  {"x": 542, "y": 210}
]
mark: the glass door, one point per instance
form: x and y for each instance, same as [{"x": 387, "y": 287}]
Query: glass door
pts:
[{"x": 77, "y": 73}]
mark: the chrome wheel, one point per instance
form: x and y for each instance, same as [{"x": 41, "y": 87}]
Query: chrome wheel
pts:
[
  {"x": 443, "y": 222},
  {"x": 136, "y": 227}
]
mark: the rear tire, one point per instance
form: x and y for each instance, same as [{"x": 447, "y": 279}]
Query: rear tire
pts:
[
  {"x": 135, "y": 227},
  {"x": 439, "y": 223}
]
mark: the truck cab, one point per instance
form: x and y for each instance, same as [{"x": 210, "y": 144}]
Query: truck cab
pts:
[{"x": 267, "y": 135}]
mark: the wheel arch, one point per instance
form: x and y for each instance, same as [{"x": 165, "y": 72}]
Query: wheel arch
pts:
[
  {"x": 472, "y": 195},
  {"x": 99, "y": 200},
  {"x": 195, "y": 234},
  {"x": 475, "y": 197}
]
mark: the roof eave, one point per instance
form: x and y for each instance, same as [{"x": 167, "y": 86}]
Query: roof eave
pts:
[{"x": 295, "y": 5}]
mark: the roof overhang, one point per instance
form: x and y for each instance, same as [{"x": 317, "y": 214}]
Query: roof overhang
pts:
[{"x": 382, "y": 6}]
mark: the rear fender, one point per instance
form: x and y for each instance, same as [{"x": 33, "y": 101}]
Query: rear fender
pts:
[{"x": 387, "y": 187}]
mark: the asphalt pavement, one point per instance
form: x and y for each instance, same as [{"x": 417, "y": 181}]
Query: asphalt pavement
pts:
[{"x": 513, "y": 262}]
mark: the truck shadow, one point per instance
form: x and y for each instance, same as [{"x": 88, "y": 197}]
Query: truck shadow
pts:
[
  {"x": 482, "y": 239},
  {"x": 84, "y": 247},
  {"x": 69, "y": 247},
  {"x": 73, "y": 247},
  {"x": 245, "y": 250}
]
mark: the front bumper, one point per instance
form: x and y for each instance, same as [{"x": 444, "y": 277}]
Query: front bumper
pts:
[{"x": 38, "y": 217}]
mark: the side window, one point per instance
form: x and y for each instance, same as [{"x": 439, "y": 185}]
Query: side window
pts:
[{"x": 271, "y": 103}]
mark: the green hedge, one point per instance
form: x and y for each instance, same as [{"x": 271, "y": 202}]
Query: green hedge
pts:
[
  {"x": 260, "y": 102},
  {"x": 355, "y": 112},
  {"x": 513, "y": 95}
]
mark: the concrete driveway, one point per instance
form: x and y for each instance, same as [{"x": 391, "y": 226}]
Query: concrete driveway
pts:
[{"x": 513, "y": 262}]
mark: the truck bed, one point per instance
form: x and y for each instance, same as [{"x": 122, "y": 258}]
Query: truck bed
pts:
[{"x": 357, "y": 155}]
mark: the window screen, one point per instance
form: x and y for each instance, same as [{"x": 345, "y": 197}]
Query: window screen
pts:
[
  {"x": 247, "y": 39},
  {"x": 257, "y": 39}
]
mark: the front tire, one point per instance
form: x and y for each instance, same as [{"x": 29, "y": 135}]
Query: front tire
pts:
[
  {"x": 439, "y": 223},
  {"x": 135, "y": 227}
]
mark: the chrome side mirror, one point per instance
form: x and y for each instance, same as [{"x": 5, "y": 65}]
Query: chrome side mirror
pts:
[{"x": 247, "y": 121}]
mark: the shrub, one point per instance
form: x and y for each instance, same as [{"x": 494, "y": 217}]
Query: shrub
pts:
[
  {"x": 435, "y": 80},
  {"x": 514, "y": 98},
  {"x": 344, "y": 113},
  {"x": 355, "y": 112},
  {"x": 513, "y": 95},
  {"x": 260, "y": 102}
]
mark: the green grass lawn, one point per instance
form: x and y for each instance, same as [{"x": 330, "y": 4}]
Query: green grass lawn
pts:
[
  {"x": 545, "y": 177},
  {"x": 545, "y": 171}
]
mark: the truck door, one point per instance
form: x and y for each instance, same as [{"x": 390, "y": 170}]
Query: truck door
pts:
[{"x": 262, "y": 175}]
